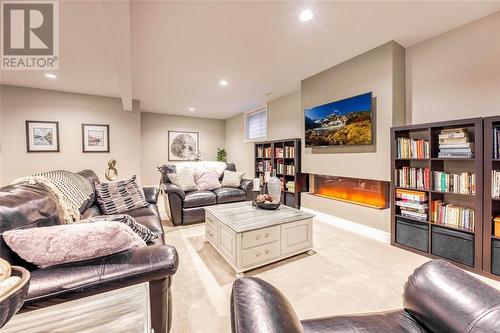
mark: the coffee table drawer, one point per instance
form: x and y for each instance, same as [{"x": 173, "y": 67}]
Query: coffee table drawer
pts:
[
  {"x": 260, "y": 236},
  {"x": 261, "y": 253},
  {"x": 211, "y": 235},
  {"x": 210, "y": 220}
]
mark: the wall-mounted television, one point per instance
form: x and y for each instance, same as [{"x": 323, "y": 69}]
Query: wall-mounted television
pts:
[{"x": 344, "y": 122}]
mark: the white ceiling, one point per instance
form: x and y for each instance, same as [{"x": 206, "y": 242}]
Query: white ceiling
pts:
[{"x": 174, "y": 53}]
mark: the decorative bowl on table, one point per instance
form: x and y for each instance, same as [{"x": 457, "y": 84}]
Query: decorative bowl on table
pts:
[
  {"x": 265, "y": 201},
  {"x": 13, "y": 300}
]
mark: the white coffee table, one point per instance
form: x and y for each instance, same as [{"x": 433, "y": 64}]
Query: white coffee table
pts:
[{"x": 248, "y": 237}]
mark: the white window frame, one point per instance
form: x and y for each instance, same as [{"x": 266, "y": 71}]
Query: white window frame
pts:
[{"x": 248, "y": 114}]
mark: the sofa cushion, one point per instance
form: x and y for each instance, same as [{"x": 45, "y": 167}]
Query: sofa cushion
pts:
[
  {"x": 207, "y": 180},
  {"x": 229, "y": 194},
  {"x": 199, "y": 198},
  {"x": 184, "y": 179},
  {"x": 232, "y": 178},
  {"x": 141, "y": 230},
  {"x": 119, "y": 197},
  {"x": 60, "y": 244}
]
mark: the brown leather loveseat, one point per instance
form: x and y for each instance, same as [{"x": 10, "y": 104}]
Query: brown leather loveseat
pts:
[{"x": 26, "y": 206}]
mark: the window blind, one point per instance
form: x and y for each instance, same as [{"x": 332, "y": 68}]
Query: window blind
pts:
[{"x": 256, "y": 125}]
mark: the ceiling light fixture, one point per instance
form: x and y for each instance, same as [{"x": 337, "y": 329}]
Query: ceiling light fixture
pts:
[
  {"x": 306, "y": 15},
  {"x": 223, "y": 83},
  {"x": 50, "y": 76},
  {"x": 191, "y": 109}
]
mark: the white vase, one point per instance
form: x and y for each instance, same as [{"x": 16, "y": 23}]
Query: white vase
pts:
[{"x": 274, "y": 187}]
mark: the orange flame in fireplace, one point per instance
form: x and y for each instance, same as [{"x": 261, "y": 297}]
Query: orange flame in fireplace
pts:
[{"x": 375, "y": 195}]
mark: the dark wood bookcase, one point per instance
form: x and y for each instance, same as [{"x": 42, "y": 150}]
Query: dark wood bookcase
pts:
[
  {"x": 433, "y": 237},
  {"x": 491, "y": 243},
  {"x": 289, "y": 198}
]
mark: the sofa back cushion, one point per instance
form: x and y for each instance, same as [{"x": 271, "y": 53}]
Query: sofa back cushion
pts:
[
  {"x": 207, "y": 180},
  {"x": 120, "y": 197},
  {"x": 232, "y": 178},
  {"x": 217, "y": 167},
  {"x": 184, "y": 179},
  {"x": 61, "y": 244}
]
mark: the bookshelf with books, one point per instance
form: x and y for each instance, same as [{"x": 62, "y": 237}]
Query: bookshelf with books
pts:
[
  {"x": 439, "y": 165},
  {"x": 284, "y": 157},
  {"x": 491, "y": 216}
]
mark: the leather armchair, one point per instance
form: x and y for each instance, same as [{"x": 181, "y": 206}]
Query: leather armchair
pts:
[
  {"x": 247, "y": 186},
  {"x": 437, "y": 298}
]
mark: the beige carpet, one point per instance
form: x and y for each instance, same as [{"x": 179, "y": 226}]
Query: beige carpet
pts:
[{"x": 348, "y": 274}]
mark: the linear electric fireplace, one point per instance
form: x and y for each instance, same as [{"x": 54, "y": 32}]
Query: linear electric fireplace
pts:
[{"x": 366, "y": 192}]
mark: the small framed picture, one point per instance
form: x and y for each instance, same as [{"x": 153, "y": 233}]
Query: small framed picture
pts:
[
  {"x": 42, "y": 136},
  {"x": 95, "y": 138}
]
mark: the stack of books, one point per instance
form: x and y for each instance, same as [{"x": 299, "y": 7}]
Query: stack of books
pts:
[
  {"x": 290, "y": 186},
  {"x": 496, "y": 142},
  {"x": 289, "y": 152},
  {"x": 263, "y": 166},
  {"x": 264, "y": 152},
  {"x": 455, "y": 143},
  {"x": 278, "y": 152},
  {"x": 451, "y": 215},
  {"x": 413, "y": 178},
  {"x": 289, "y": 169},
  {"x": 413, "y": 148},
  {"x": 412, "y": 204},
  {"x": 463, "y": 183},
  {"x": 496, "y": 226},
  {"x": 280, "y": 167},
  {"x": 495, "y": 183}
]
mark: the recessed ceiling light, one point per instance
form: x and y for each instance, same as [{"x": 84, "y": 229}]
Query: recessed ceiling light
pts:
[
  {"x": 191, "y": 109},
  {"x": 50, "y": 76},
  {"x": 306, "y": 15},
  {"x": 223, "y": 83}
]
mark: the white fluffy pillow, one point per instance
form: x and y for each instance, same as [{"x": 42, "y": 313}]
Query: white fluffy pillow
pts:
[
  {"x": 184, "y": 180},
  {"x": 232, "y": 178}
]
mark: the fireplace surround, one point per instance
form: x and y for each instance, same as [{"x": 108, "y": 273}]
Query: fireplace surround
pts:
[{"x": 366, "y": 192}]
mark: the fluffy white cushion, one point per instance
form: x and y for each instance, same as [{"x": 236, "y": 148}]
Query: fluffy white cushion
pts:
[
  {"x": 184, "y": 180},
  {"x": 232, "y": 178},
  {"x": 207, "y": 180},
  {"x": 192, "y": 167},
  {"x": 49, "y": 246}
]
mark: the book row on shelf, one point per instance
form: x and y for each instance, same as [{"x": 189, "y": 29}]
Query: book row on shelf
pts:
[
  {"x": 413, "y": 148},
  {"x": 290, "y": 186},
  {"x": 286, "y": 152},
  {"x": 455, "y": 143},
  {"x": 263, "y": 166},
  {"x": 452, "y": 215},
  {"x": 412, "y": 204},
  {"x": 496, "y": 142},
  {"x": 285, "y": 169},
  {"x": 410, "y": 177},
  {"x": 264, "y": 152},
  {"x": 463, "y": 183},
  {"x": 496, "y": 226},
  {"x": 495, "y": 183}
]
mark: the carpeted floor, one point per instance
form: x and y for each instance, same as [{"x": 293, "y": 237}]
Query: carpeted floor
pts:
[{"x": 347, "y": 274}]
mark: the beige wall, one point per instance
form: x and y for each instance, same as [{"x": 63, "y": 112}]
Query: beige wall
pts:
[
  {"x": 154, "y": 137},
  {"x": 455, "y": 75},
  {"x": 285, "y": 117},
  {"x": 238, "y": 151},
  {"x": 71, "y": 110}
]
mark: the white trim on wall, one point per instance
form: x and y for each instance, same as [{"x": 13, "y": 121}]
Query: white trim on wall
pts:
[{"x": 376, "y": 234}]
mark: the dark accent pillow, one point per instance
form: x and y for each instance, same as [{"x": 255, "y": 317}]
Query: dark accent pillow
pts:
[
  {"x": 143, "y": 232},
  {"x": 119, "y": 197}
]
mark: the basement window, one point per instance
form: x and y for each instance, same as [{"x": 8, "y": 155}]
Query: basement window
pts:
[{"x": 256, "y": 125}]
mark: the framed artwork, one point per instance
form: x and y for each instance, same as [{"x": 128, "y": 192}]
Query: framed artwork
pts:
[
  {"x": 95, "y": 138},
  {"x": 42, "y": 136},
  {"x": 183, "y": 146}
]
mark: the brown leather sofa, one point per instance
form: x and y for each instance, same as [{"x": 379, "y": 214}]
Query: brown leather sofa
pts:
[
  {"x": 185, "y": 208},
  {"x": 438, "y": 298},
  {"x": 27, "y": 206}
]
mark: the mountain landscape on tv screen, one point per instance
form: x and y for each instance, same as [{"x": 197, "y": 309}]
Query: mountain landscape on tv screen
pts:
[{"x": 345, "y": 122}]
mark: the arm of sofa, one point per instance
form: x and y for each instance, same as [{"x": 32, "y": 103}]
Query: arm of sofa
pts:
[
  {"x": 151, "y": 194},
  {"x": 447, "y": 299},
  {"x": 247, "y": 186},
  {"x": 257, "y": 306},
  {"x": 169, "y": 188},
  {"x": 174, "y": 197}
]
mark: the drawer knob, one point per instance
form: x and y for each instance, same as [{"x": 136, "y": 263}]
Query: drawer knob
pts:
[
  {"x": 267, "y": 252},
  {"x": 257, "y": 237},
  {"x": 267, "y": 235}
]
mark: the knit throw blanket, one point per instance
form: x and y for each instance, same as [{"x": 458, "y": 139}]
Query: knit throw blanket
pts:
[{"x": 70, "y": 189}]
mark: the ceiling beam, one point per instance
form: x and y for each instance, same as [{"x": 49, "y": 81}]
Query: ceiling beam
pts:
[{"x": 117, "y": 18}]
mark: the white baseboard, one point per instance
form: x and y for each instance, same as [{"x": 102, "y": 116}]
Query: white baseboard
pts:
[{"x": 357, "y": 228}]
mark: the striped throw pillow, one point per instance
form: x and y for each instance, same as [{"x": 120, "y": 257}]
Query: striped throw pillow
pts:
[
  {"x": 143, "y": 232},
  {"x": 119, "y": 197}
]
